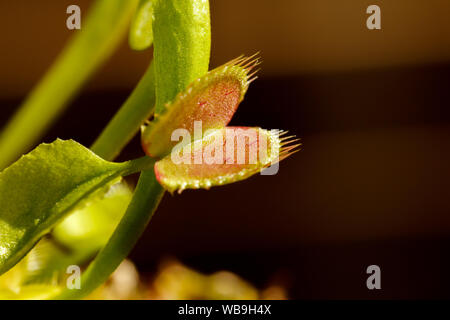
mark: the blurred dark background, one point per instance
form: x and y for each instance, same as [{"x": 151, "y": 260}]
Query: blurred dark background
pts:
[{"x": 372, "y": 182}]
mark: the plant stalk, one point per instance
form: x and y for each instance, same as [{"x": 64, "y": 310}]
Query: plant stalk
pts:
[
  {"x": 145, "y": 200},
  {"x": 127, "y": 121}
]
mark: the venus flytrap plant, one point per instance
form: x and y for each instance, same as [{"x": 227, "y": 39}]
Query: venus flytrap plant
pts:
[
  {"x": 52, "y": 181},
  {"x": 212, "y": 100}
]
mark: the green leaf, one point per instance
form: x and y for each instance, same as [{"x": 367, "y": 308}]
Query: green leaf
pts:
[
  {"x": 46, "y": 263},
  {"x": 141, "y": 33},
  {"x": 211, "y": 99},
  {"x": 82, "y": 233},
  {"x": 90, "y": 227},
  {"x": 43, "y": 186},
  {"x": 12, "y": 282}
]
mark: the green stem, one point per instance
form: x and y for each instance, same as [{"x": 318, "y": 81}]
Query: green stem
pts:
[
  {"x": 101, "y": 33},
  {"x": 139, "y": 164},
  {"x": 126, "y": 123},
  {"x": 146, "y": 198}
]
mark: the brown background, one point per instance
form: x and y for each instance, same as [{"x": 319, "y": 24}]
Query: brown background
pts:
[{"x": 371, "y": 185}]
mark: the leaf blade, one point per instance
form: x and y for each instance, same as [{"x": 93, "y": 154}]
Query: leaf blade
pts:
[
  {"x": 141, "y": 30},
  {"x": 42, "y": 187}
]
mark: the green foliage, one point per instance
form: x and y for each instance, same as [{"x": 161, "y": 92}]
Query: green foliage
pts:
[
  {"x": 78, "y": 237},
  {"x": 145, "y": 200},
  {"x": 42, "y": 187},
  {"x": 181, "y": 31},
  {"x": 89, "y": 227},
  {"x": 182, "y": 42},
  {"x": 36, "y": 276},
  {"x": 64, "y": 186},
  {"x": 42, "y": 273},
  {"x": 141, "y": 33}
]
